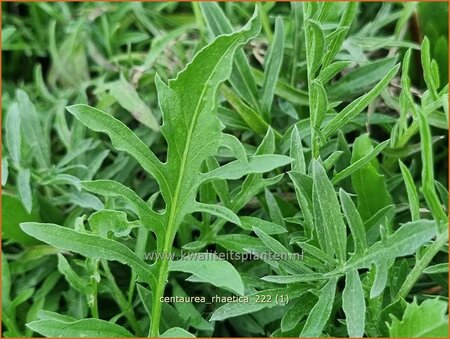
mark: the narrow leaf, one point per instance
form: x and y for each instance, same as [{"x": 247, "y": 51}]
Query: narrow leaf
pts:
[
  {"x": 212, "y": 269},
  {"x": 327, "y": 211},
  {"x": 24, "y": 188},
  {"x": 267, "y": 227},
  {"x": 85, "y": 328},
  {"x": 411, "y": 191},
  {"x": 256, "y": 164},
  {"x": 315, "y": 46},
  {"x": 360, "y": 79},
  {"x": 272, "y": 66},
  {"x": 88, "y": 245},
  {"x": 354, "y": 108},
  {"x": 80, "y": 284},
  {"x": 217, "y": 210},
  {"x": 32, "y": 128},
  {"x": 319, "y": 103},
  {"x": 5, "y": 171},
  {"x": 296, "y": 152},
  {"x": 247, "y": 113},
  {"x": 296, "y": 313},
  {"x": 331, "y": 70},
  {"x": 13, "y": 135},
  {"x": 295, "y": 278},
  {"x": 254, "y": 303},
  {"x": 367, "y": 158},
  {"x": 122, "y": 138},
  {"x": 127, "y": 97},
  {"x": 354, "y": 222},
  {"x": 354, "y": 305},
  {"x": 318, "y": 317},
  {"x": 235, "y": 145},
  {"x": 241, "y": 77},
  {"x": 335, "y": 40}
]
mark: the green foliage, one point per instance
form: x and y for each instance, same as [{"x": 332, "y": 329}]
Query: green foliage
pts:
[
  {"x": 367, "y": 181},
  {"x": 224, "y": 169},
  {"x": 421, "y": 321},
  {"x": 80, "y": 328}
]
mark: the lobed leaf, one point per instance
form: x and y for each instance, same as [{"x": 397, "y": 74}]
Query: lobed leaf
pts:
[
  {"x": 428, "y": 319},
  {"x": 110, "y": 188}
]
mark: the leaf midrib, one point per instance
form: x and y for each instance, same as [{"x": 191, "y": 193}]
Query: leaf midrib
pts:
[
  {"x": 174, "y": 206},
  {"x": 370, "y": 255},
  {"x": 332, "y": 231},
  {"x": 171, "y": 225}
]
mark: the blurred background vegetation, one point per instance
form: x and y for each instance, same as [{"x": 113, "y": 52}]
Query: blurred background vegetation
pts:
[{"x": 107, "y": 54}]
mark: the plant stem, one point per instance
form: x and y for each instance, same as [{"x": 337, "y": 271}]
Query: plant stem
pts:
[
  {"x": 94, "y": 307},
  {"x": 10, "y": 322},
  {"x": 139, "y": 249},
  {"x": 157, "y": 305},
  {"x": 121, "y": 300},
  {"x": 163, "y": 272},
  {"x": 421, "y": 264},
  {"x": 312, "y": 114},
  {"x": 296, "y": 36}
]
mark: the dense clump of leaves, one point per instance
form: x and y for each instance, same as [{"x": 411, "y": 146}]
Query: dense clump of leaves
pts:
[{"x": 324, "y": 148}]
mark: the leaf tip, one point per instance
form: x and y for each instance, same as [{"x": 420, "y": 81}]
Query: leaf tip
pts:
[
  {"x": 75, "y": 109},
  {"x": 28, "y": 227}
]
